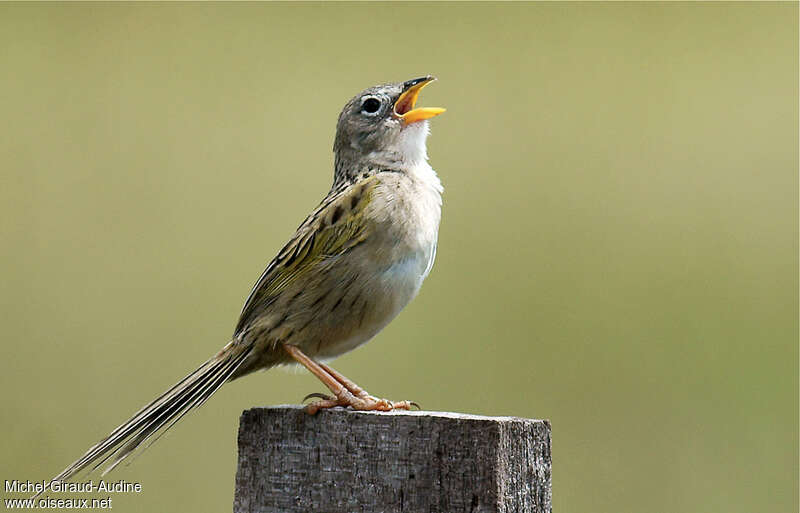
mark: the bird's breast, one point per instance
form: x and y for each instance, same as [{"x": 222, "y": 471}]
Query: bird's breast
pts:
[
  {"x": 407, "y": 209},
  {"x": 392, "y": 265}
]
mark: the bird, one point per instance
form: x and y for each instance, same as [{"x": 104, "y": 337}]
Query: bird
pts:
[{"x": 351, "y": 266}]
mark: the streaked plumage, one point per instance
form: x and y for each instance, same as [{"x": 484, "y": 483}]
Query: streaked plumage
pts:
[{"x": 349, "y": 269}]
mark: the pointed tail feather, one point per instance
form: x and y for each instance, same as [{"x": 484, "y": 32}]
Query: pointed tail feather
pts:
[{"x": 162, "y": 413}]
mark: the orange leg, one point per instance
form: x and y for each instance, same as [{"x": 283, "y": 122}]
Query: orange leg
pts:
[
  {"x": 349, "y": 385},
  {"x": 345, "y": 391}
]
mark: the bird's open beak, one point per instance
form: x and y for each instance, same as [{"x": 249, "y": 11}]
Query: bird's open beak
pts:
[{"x": 404, "y": 106}]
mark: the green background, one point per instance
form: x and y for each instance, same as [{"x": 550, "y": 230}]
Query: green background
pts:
[{"x": 618, "y": 248}]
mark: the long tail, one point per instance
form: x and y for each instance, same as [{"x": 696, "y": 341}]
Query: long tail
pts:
[{"x": 162, "y": 413}]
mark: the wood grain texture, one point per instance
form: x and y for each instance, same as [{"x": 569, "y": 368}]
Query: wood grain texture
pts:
[{"x": 346, "y": 461}]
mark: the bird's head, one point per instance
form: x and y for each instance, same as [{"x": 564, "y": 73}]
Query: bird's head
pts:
[{"x": 381, "y": 126}]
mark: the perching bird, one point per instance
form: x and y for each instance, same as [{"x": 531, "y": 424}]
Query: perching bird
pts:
[{"x": 352, "y": 265}]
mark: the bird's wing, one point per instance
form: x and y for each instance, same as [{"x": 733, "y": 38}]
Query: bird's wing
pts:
[{"x": 336, "y": 226}]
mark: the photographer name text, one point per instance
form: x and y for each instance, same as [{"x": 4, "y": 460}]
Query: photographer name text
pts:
[{"x": 102, "y": 486}]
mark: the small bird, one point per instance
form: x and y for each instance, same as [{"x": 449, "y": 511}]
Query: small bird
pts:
[{"x": 348, "y": 270}]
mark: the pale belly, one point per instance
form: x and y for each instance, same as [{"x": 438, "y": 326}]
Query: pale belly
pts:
[{"x": 389, "y": 291}]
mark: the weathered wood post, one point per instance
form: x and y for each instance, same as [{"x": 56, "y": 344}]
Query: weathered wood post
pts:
[{"x": 341, "y": 461}]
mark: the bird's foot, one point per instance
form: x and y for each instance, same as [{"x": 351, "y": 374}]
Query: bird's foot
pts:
[
  {"x": 363, "y": 402},
  {"x": 345, "y": 392}
]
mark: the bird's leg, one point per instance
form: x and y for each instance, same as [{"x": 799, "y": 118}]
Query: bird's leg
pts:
[
  {"x": 363, "y": 394},
  {"x": 349, "y": 385},
  {"x": 347, "y": 393}
]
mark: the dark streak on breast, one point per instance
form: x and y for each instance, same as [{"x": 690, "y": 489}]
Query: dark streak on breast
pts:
[
  {"x": 337, "y": 303},
  {"x": 337, "y": 214},
  {"x": 319, "y": 299},
  {"x": 355, "y": 199},
  {"x": 289, "y": 303}
]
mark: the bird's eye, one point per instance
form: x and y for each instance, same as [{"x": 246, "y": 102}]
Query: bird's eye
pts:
[{"x": 370, "y": 105}]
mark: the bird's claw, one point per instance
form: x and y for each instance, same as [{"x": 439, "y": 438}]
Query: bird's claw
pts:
[{"x": 318, "y": 396}]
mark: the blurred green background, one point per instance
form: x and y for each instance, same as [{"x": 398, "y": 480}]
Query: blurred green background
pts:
[{"x": 618, "y": 249}]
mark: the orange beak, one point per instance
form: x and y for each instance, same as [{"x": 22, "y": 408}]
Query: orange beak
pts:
[{"x": 404, "y": 106}]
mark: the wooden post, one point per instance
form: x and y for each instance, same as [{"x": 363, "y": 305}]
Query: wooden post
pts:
[{"x": 341, "y": 461}]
